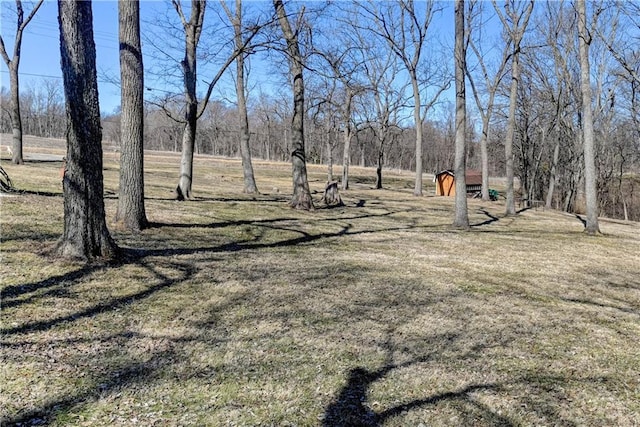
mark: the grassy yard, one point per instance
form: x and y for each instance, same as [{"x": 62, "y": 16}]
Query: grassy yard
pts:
[{"x": 236, "y": 310}]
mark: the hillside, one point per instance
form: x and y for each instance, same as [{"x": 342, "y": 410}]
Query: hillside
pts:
[{"x": 236, "y": 310}]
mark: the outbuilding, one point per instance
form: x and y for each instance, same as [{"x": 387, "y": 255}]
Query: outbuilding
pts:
[{"x": 446, "y": 182}]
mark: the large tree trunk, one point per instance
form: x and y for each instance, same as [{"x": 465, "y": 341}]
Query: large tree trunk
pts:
[
  {"x": 183, "y": 190},
  {"x": 591, "y": 195},
  {"x": 301, "y": 198},
  {"x": 131, "y": 211},
  {"x": 461, "y": 216},
  {"x": 85, "y": 233}
]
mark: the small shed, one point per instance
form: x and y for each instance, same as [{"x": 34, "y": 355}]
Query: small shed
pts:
[{"x": 446, "y": 183}]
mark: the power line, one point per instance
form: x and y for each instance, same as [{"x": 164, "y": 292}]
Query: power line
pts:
[{"x": 48, "y": 76}]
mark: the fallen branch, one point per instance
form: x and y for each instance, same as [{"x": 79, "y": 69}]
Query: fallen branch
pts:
[{"x": 6, "y": 186}]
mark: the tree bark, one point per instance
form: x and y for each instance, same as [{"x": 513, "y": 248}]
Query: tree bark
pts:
[
  {"x": 379, "y": 166},
  {"x": 347, "y": 135},
  {"x": 520, "y": 20},
  {"x": 417, "y": 117},
  {"x": 591, "y": 195},
  {"x": 131, "y": 210},
  {"x": 508, "y": 144},
  {"x": 192, "y": 30},
  {"x": 16, "y": 116},
  {"x": 461, "y": 215},
  {"x": 250, "y": 186},
  {"x": 85, "y": 233},
  {"x": 301, "y": 198},
  {"x": 553, "y": 174}
]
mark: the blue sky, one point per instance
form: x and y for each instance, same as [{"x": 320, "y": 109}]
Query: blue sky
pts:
[{"x": 40, "y": 57}]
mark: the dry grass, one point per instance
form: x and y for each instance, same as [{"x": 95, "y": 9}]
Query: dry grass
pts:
[{"x": 236, "y": 310}]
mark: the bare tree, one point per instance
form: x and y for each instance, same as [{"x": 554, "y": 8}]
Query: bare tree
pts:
[
  {"x": 13, "y": 65},
  {"x": 584, "y": 38},
  {"x": 491, "y": 81},
  {"x": 461, "y": 216},
  {"x": 243, "y": 117},
  {"x": 515, "y": 19},
  {"x": 301, "y": 198},
  {"x": 192, "y": 31},
  {"x": 405, "y": 30},
  {"x": 85, "y": 233},
  {"x": 194, "y": 108},
  {"x": 131, "y": 211},
  {"x": 343, "y": 55}
]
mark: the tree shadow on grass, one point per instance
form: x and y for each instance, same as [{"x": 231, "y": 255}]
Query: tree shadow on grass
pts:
[
  {"x": 134, "y": 373},
  {"x": 187, "y": 270},
  {"x": 492, "y": 218},
  {"x": 350, "y": 409}
]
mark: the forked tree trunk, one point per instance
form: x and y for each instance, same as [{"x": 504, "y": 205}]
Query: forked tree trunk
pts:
[
  {"x": 85, "y": 233},
  {"x": 301, "y": 198},
  {"x": 131, "y": 211},
  {"x": 193, "y": 30}
]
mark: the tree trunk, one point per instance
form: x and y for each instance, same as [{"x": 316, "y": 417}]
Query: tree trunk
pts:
[
  {"x": 591, "y": 195},
  {"x": 553, "y": 174},
  {"x": 417, "y": 189},
  {"x": 346, "y": 154},
  {"x": 131, "y": 211},
  {"x": 16, "y": 117},
  {"x": 85, "y": 233},
  {"x": 508, "y": 144},
  {"x": 519, "y": 20},
  {"x": 329, "y": 158},
  {"x": 250, "y": 186},
  {"x": 461, "y": 216},
  {"x": 379, "y": 168},
  {"x": 183, "y": 190},
  {"x": 346, "y": 158},
  {"x": 301, "y": 198},
  {"x": 192, "y": 29}
]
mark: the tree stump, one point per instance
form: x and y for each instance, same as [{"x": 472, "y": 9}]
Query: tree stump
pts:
[{"x": 331, "y": 195}]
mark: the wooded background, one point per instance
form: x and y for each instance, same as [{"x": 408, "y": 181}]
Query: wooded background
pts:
[{"x": 348, "y": 54}]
